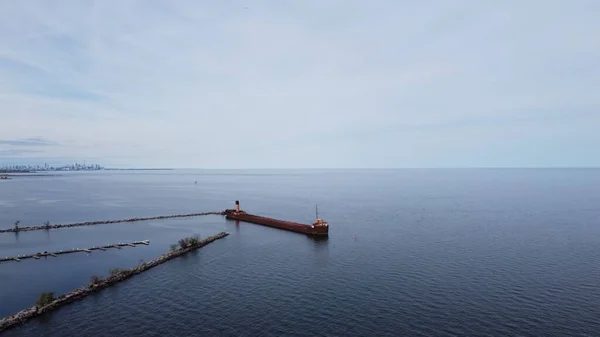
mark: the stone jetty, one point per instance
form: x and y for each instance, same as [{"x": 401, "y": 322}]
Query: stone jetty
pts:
[
  {"x": 103, "y": 222},
  {"x": 74, "y": 250},
  {"x": 77, "y": 294}
]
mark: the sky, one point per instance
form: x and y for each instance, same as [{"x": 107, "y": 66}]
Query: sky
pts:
[{"x": 300, "y": 84}]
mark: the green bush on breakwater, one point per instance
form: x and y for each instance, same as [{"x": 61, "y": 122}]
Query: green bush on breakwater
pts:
[
  {"x": 95, "y": 279},
  {"x": 45, "y": 299},
  {"x": 189, "y": 241}
]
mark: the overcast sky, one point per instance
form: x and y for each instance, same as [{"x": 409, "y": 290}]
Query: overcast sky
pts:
[{"x": 306, "y": 83}]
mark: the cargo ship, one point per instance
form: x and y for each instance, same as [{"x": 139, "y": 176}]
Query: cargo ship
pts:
[{"x": 319, "y": 228}]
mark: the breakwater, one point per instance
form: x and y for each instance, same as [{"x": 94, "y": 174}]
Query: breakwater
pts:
[
  {"x": 74, "y": 250},
  {"x": 99, "y": 284},
  {"x": 102, "y": 222}
]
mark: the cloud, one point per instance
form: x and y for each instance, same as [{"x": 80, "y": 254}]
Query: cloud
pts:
[
  {"x": 310, "y": 83},
  {"x": 35, "y": 141},
  {"x": 17, "y": 152},
  {"x": 24, "y": 148}
]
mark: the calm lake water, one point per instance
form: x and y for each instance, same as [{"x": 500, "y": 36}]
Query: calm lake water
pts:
[{"x": 411, "y": 252}]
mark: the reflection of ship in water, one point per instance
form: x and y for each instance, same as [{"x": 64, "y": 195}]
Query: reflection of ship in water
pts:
[
  {"x": 319, "y": 228},
  {"x": 318, "y": 239}
]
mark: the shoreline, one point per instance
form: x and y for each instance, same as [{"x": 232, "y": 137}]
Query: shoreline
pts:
[
  {"x": 33, "y": 174},
  {"x": 138, "y": 169},
  {"x": 25, "y": 315}
]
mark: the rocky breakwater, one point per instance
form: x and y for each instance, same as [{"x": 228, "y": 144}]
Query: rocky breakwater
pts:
[
  {"x": 102, "y": 222},
  {"x": 99, "y": 284},
  {"x": 74, "y": 250}
]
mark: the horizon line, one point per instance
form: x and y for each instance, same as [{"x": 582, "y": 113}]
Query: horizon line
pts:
[
  {"x": 354, "y": 168},
  {"x": 132, "y": 167}
]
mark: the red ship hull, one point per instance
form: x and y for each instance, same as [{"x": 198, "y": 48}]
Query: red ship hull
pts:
[{"x": 311, "y": 230}]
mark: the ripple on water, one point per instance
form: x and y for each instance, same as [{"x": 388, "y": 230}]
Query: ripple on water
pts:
[{"x": 438, "y": 253}]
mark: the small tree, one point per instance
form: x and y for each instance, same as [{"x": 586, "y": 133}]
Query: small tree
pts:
[
  {"x": 96, "y": 279},
  {"x": 17, "y": 225},
  {"x": 184, "y": 243},
  {"x": 174, "y": 247},
  {"x": 194, "y": 240},
  {"x": 47, "y": 225},
  {"x": 45, "y": 299}
]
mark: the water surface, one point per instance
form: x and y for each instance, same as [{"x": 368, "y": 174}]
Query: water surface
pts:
[{"x": 411, "y": 252}]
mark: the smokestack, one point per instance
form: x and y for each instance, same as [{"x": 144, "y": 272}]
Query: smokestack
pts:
[{"x": 237, "y": 205}]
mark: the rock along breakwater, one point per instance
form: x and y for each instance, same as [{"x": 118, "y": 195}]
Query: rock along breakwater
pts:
[
  {"x": 103, "y": 222},
  {"x": 74, "y": 250},
  {"x": 77, "y": 294}
]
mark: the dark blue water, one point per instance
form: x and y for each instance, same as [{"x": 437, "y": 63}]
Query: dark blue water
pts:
[{"x": 411, "y": 252}]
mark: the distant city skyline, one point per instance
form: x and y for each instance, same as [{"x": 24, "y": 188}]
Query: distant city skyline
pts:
[
  {"x": 308, "y": 84},
  {"x": 49, "y": 167}
]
